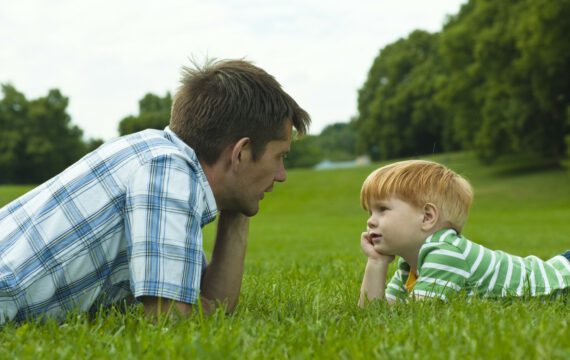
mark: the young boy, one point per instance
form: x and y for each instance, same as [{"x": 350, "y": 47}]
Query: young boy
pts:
[{"x": 417, "y": 211}]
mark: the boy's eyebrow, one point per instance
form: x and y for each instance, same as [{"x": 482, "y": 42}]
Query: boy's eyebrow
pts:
[{"x": 376, "y": 202}]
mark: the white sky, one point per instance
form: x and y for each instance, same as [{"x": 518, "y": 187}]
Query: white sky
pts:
[{"x": 106, "y": 55}]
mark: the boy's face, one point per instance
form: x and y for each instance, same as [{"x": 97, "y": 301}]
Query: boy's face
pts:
[{"x": 394, "y": 227}]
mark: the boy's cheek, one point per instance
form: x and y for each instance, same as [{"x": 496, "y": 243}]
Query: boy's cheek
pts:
[{"x": 383, "y": 250}]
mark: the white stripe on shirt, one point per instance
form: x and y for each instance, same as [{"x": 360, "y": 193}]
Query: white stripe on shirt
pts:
[
  {"x": 543, "y": 273},
  {"x": 479, "y": 258},
  {"x": 452, "y": 269},
  {"x": 429, "y": 294},
  {"x": 441, "y": 282},
  {"x": 523, "y": 275},
  {"x": 448, "y": 253},
  {"x": 509, "y": 274},
  {"x": 489, "y": 268}
]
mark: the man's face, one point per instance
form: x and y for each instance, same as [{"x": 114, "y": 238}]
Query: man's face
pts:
[{"x": 257, "y": 177}]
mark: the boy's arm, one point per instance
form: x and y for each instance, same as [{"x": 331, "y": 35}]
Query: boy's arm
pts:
[
  {"x": 221, "y": 281},
  {"x": 374, "y": 280}
]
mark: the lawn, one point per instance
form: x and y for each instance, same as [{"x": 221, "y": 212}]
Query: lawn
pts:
[{"x": 302, "y": 280}]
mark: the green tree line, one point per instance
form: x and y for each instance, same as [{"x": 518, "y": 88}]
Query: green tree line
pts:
[
  {"x": 495, "y": 80},
  {"x": 37, "y": 139}
]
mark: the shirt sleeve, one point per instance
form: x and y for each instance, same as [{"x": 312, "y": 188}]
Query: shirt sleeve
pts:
[
  {"x": 164, "y": 236},
  {"x": 443, "y": 271},
  {"x": 395, "y": 290}
]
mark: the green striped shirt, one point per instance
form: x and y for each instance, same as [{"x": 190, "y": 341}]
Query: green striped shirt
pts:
[{"x": 449, "y": 263}]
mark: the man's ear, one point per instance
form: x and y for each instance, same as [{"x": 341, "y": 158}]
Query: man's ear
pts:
[
  {"x": 430, "y": 216},
  {"x": 240, "y": 152}
]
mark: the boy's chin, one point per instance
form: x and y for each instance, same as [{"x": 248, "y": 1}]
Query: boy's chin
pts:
[{"x": 379, "y": 249}]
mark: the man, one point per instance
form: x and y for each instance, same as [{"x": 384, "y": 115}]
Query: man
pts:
[{"x": 125, "y": 221}]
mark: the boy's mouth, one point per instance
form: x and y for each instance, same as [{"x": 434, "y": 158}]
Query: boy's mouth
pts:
[{"x": 375, "y": 237}]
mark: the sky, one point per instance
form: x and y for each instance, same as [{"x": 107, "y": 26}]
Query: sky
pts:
[{"x": 106, "y": 55}]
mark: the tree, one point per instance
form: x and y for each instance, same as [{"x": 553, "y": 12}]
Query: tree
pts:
[
  {"x": 37, "y": 139},
  {"x": 338, "y": 141},
  {"x": 13, "y": 112},
  {"x": 305, "y": 152},
  {"x": 508, "y": 83},
  {"x": 154, "y": 113},
  {"x": 398, "y": 115},
  {"x": 495, "y": 80}
]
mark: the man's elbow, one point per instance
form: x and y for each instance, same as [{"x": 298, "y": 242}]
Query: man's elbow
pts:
[
  {"x": 210, "y": 305},
  {"x": 156, "y": 307}
]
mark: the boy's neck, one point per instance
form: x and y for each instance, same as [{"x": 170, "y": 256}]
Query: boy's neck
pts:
[{"x": 412, "y": 256}]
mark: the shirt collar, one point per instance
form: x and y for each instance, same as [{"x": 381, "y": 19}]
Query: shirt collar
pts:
[{"x": 211, "y": 209}]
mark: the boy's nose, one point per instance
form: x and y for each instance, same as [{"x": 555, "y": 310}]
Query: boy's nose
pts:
[{"x": 371, "y": 223}]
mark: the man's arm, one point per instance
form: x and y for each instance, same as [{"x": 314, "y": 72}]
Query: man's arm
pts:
[
  {"x": 221, "y": 281},
  {"x": 222, "y": 277}
]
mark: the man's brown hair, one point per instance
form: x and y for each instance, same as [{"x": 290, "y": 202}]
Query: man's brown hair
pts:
[{"x": 223, "y": 101}]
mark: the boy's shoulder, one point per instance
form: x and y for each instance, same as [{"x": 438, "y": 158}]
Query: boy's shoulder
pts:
[
  {"x": 447, "y": 240},
  {"x": 443, "y": 236},
  {"x": 447, "y": 236}
]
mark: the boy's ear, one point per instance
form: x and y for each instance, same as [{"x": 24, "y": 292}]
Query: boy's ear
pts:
[
  {"x": 430, "y": 216},
  {"x": 240, "y": 152}
]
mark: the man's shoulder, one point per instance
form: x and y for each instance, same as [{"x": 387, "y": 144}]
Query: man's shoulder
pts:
[
  {"x": 146, "y": 141},
  {"x": 147, "y": 145}
]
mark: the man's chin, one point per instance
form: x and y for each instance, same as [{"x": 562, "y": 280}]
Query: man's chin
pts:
[{"x": 250, "y": 211}]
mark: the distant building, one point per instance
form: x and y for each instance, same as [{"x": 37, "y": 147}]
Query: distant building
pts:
[{"x": 327, "y": 164}]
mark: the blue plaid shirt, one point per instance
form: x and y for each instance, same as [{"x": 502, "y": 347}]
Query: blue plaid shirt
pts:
[{"x": 125, "y": 220}]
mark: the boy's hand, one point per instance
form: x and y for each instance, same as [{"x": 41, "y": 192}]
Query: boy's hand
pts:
[{"x": 368, "y": 248}]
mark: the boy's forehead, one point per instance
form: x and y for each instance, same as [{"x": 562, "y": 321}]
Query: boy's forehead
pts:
[{"x": 379, "y": 199}]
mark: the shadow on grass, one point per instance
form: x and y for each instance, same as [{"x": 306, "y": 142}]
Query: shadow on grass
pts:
[{"x": 509, "y": 166}]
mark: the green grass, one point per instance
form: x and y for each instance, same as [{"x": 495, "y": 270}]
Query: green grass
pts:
[
  {"x": 303, "y": 272},
  {"x": 10, "y": 192}
]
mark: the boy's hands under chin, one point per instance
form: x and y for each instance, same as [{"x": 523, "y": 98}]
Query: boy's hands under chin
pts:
[{"x": 368, "y": 249}]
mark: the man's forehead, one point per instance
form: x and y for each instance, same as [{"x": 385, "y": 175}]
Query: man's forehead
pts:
[{"x": 280, "y": 144}]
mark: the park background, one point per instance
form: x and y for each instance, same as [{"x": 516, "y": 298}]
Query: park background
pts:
[{"x": 487, "y": 95}]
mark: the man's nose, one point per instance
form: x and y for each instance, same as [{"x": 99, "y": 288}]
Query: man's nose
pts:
[{"x": 281, "y": 174}]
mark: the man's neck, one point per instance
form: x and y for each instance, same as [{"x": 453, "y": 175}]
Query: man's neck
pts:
[{"x": 215, "y": 176}]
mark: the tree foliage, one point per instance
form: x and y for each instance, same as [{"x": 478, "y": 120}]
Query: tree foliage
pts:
[
  {"x": 398, "y": 116},
  {"x": 494, "y": 80},
  {"x": 336, "y": 142},
  {"x": 154, "y": 113},
  {"x": 37, "y": 138}
]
